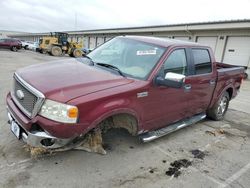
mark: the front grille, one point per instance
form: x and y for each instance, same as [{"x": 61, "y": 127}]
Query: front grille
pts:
[{"x": 27, "y": 98}]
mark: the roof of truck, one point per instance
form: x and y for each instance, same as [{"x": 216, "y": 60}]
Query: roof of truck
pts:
[{"x": 163, "y": 41}]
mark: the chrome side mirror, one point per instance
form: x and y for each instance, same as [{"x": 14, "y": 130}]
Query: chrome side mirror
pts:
[
  {"x": 175, "y": 77},
  {"x": 171, "y": 79}
]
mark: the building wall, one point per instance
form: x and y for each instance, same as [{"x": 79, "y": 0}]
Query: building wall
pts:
[
  {"x": 2, "y": 35},
  {"x": 217, "y": 40}
]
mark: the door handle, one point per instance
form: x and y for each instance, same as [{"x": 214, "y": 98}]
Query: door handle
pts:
[
  {"x": 212, "y": 82},
  {"x": 187, "y": 86}
]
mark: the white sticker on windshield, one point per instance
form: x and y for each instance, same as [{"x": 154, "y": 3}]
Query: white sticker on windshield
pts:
[{"x": 146, "y": 52}]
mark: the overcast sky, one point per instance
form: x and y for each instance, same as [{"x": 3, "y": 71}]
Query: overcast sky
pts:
[{"x": 66, "y": 15}]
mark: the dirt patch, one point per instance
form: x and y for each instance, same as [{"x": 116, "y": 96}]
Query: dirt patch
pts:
[
  {"x": 174, "y": 170},
  {"x": 35, "y": 152},
  {"x": 199, "y": 154},
  {"x": 216, "y": 132}
]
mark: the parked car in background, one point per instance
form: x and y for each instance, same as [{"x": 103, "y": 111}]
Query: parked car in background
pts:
[
  {"x": 32, "y": 45},
  {"x": 24, "y": 44},
  {"x": 12, "y": 44}
]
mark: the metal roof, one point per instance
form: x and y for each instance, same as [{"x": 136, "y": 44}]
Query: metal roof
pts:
[
  {"x": 172, "y": 25},
  {"x": 162, "y": 41},
  {"x": 211, "y": 25}
]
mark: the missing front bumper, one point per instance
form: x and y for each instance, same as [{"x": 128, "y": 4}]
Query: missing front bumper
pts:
[
  {"x": 40, "y": 142},
  {"x": 38, "y": 138}
]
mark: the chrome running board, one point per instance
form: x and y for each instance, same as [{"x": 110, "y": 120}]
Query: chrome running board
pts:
[{"x": 152, "y": 135}]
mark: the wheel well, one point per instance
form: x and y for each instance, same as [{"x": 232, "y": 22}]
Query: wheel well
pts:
[
  {"x": 126, "y": 121},
  {"x": 230, "y": 92}
]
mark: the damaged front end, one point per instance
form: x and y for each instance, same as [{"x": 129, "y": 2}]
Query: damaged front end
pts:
[
  {"x": 39, "y": 142},
  {"x": 91, "y": 142}
]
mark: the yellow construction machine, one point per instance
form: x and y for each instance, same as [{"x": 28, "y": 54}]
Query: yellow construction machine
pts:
[{"x": 57, "y": 44}]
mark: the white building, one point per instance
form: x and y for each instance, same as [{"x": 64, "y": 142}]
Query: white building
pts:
[
  {"x": 230, "y": 40},
  {"x": 6, "y": 33}
]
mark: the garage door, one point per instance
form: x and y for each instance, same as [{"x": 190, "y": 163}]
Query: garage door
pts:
[
  {"x": 92, "y": 43},
  {"x": 100, "y": 40},
  {"x": 85, "y": 42},
  {"x": 237, "y": 51},
  {"x": 208, "y": 41}
]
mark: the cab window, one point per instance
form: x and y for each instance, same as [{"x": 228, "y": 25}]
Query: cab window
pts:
[
  {"x": 176, "y": 62},
  {"x": 202, "y": 61}
]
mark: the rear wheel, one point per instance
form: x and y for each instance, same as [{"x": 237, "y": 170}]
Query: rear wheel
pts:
[
  {"x": 219, "y": 109},
  {"x": 77, "y": 53},
  {"x": 56, "y": 51}
]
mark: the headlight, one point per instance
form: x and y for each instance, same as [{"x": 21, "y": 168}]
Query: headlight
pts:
[{"x": 59, "y": 112}]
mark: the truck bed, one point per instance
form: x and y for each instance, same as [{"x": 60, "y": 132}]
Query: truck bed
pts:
[
  {"x": 225, "y": 70},
  {"x": 229, "y": 79}
]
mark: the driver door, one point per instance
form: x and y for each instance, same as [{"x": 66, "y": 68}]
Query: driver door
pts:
[{"x": 168, "y": 105}]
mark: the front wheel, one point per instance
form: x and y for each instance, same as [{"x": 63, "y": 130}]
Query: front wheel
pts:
[
  {"x": 14, "y": 48},
  {"x": 56, "y": 51},
  {"x": 77, "y": 53},
  {"x": 219, "y": 109}
]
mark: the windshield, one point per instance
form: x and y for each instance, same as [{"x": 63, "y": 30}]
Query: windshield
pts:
[{"x": 133, "y": 58}]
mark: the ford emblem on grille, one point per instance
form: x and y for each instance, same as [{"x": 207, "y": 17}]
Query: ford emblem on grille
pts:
[{"x": 20, "y": 94}]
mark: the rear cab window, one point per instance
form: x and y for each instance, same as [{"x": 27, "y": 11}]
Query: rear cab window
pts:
[{"x": 202, "y": 61}]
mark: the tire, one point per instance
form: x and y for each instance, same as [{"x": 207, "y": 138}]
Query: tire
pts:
[
  {"x": 14, "y": 48},
  {"x": 56, "y": 51},
  {"x": 77, "y": 53},
  {"x": 219, "y": 109},
  {"x": 42, "y": 51}
]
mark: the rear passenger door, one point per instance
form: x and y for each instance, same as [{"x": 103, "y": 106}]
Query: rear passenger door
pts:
[{"x": 200, "y": 85}]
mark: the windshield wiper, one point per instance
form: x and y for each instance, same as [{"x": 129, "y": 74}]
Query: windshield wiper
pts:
[{"x": 112, "y": 67}]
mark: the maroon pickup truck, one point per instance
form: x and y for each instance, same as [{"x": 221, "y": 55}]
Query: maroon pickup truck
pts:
[{"x": 148, "y": 86}]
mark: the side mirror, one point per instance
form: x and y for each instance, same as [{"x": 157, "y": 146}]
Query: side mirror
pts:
[{"x": 171, "y": 79}]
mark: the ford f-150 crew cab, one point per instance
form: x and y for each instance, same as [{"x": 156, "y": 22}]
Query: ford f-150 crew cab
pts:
[{"x": 149, "y": 86}]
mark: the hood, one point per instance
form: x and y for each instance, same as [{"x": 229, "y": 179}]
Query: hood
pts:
[{"x": 68, "y": 79}]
